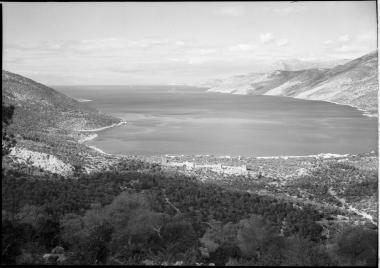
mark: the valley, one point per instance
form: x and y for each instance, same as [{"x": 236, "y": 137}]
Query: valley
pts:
[
  {"x": 54, "y": 169},
  {"x": 190, "y": 133}
]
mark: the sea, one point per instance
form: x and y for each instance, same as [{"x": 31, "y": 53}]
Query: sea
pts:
[{"x": 183, "y": 120}]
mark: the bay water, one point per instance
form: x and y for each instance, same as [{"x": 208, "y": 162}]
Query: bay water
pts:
[{"x": 190, "y": 121}]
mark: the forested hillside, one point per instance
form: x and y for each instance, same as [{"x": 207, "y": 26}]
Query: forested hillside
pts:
[
  {"x": 129, "y": 217},
  {"x": 48, "y": 125}
]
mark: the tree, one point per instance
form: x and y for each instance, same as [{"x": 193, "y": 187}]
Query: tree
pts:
[
  {"x": 358, "y": 244},
  {"x": 8, "y": 140},
  {"x": 298, "y": 251},
  {"x": 118, "y": 229},
  {"x": 11, "y": 237},
  {"x": 220, "y": 242},
  {"x": 97, "y": 243},
  {"x": 178, "y": 235},
  {"x": 253, "y": 235},
  {"x": 72, "y": 233},
  {"x": 78, "y": 170}
]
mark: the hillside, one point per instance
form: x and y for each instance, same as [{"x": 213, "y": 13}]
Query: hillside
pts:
[
  {"x": 267, "y": 67},
  {"x": 354, "y": 83},
  {"x": 40, "y": 107},
  {"x": 56, "y": 210},
  {"x": 49, "y": 127},
  {"x": 297, "y": 65}
]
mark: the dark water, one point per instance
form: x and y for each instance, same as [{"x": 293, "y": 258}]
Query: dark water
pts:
[{"x": 185, "y": 120}]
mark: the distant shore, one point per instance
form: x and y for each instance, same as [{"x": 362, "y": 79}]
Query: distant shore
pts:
[
  {"x": 320, "y": 155},
  {"x": 88, "y": 138},
  {"x": 103, "y": 128},
  {"x": 210, "y": 156},
  {"x": 94, "y": 136},
  {"x": 365, "y": 113},
  {"x": 83, "y": 100},
  {"x": 98, "y": 150}
]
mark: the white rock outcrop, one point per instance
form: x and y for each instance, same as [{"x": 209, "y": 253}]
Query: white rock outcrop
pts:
[{"x": 45, "y": 161}]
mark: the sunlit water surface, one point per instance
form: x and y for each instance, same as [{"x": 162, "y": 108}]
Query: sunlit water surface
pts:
[{"x": 190, "y": 121}]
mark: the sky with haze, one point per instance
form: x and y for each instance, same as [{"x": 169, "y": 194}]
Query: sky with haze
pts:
[{"x": 120, "y": 43}]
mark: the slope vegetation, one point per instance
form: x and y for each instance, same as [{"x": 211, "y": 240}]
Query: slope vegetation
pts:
[{"x": 48, "y": 125}]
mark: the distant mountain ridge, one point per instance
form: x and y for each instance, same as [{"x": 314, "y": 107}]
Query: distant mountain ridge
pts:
[
  {"x": 354, "y": 83},
  {"x": 297, "y": 65},
  {"x": 268, "y": 66},
  {"x": 39, "y": 107}
]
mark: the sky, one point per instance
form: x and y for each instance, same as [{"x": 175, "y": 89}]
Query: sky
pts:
[{"x": 120, "y": 43}]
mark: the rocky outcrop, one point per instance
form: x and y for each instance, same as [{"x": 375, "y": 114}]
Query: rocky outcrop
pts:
[{"x": 44, "y": 161}]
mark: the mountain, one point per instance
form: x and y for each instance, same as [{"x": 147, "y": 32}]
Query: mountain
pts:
[
  {"x": 297, "y": 65},
  {"x": 48, "y": 126},
  {"x": 38, "y": 107},
  {"x": 354, "y": 83},
  {"x": 269, "y": 66}
]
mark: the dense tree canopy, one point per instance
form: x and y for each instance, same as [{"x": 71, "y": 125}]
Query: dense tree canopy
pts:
[
  {"x": 8, "y": 140},
  {"x": 134, "y": 218}
]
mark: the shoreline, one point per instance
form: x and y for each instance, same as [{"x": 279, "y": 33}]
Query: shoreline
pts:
[
  {"x": 88, "y": 138},
  {"x": 83, "y": 100},
  {"x": 99, "y": 150},
  {"x": 284, "y": 157},
  {"x": 320, "y": 155},
  {"x": 103, "y": 128},
  {"x": 94, "y": 136},
  {"x": 363, "y": 111}
]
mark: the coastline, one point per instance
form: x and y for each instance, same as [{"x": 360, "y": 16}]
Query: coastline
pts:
[
  {"x": 98, "y": 150},
  {"x": 363, "y": 111},
  {"x": 284, "y": 157},
  {"x": 103, "y": 128},
  {"x": 88, "y": 138},
  {"x": 83, "y": 100},
  {"x": 94, "y": 136},
  {"x": 320, "y": 155}
]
